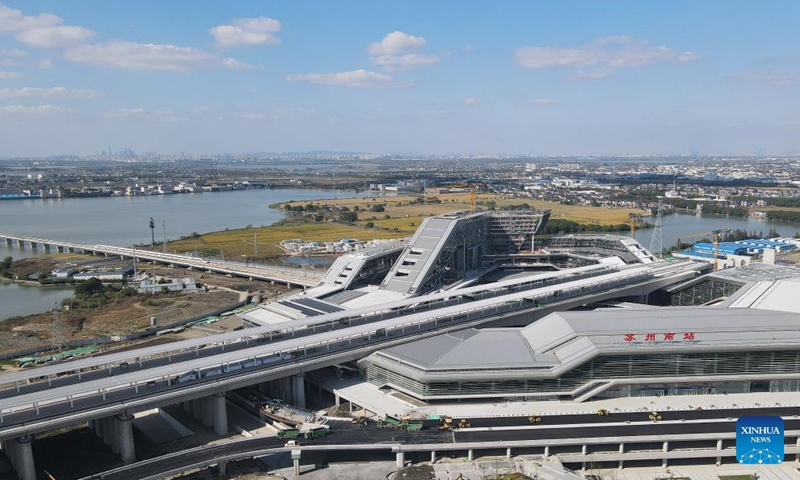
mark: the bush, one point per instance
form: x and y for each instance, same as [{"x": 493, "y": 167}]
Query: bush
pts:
[{"x": 369, "y": 225}]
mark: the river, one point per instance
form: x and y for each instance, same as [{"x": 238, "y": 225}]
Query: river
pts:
[{"x": 123, "y": 221}]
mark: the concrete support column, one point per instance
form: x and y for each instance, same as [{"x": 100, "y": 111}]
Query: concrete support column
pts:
[
  {"x": 621, "y": 448},
  {"x": 197, "y": 408},
  {"x": 220, "y": 414},
  {"x": 106, "y": 428},
  {"x": 187, "y": 406},
  {"x": 719, "y": 449},
  {"x": 285, "y": 389},
  {"x": 400, "y": 460},
  {"x": 796, "y": 457},
  {"x": 433, "y": 456},
  {"x": 584, "y": 448},
  {"x": 98, "y": 427},
  {"x": 470, "y": 455},
  {"x": 296, "y": 462},
  {"x": 90, "y": 424},
  {"x": 546, "y": 451},
  {"x": 665, "y": 448},
  {"x": 8, "y": 241},
  {"x": 222, "y": 468},
  {"x": 124, "y": 440},
  {"x": 337, "y": 399},
  {"x": 299, "y": 390},
  {"x": 508, "y": 453},
  {"x": 620, "y": 464},
  {"x": 23, "y": 453},
  {"x": 114, "y": 434},
  {"x": 208, "y": 412}
]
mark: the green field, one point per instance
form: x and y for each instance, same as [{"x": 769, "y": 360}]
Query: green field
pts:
[
  {"x": 233, "y": 244},
  {"x": 405, "y": 214}
]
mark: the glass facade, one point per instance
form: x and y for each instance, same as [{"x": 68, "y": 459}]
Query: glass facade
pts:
[{"x": 579, "y": 380}]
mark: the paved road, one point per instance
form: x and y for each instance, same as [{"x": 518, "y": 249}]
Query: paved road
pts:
[{"x": 340, "y": 434}]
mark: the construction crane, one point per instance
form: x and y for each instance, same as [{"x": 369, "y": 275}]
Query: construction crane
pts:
[
  {"x": 716, "y": 239},
  {"x": 472, "y": 197},
  {"x": 632, "y": 218}
]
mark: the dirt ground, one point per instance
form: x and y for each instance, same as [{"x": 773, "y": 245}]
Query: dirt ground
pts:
[{"x": 125, "y": 315}]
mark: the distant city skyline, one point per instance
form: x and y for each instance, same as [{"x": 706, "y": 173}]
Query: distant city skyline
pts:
[{"x": 467, "y": 77}]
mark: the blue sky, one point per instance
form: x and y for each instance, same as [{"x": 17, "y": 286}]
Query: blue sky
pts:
[{"x": 549, "y": 78}]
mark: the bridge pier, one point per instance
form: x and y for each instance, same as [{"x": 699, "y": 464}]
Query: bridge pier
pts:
[
  {"x": 60, "y": 249},
  {"x": 299, "y": 390},
  {"x": 296, "y": 462},
  {"x": 34, "y": 245},
  {"x": 220, "y": 410},
  {"x": 400, "y": 459},
  {"x": 124, "y": 438},
  {"x": 433, "y": 456},
  {"x": 665, "y": 449},
  {"x": 222, "y": 468},
  {"x": 207, "y": 412},
  {"x": 20, "y": 243},
  {"x": 46, "y": 247},
  {"x": 9, "y": 241},
  {"x": 197, "y": 408},
  {"x": 107, "y": 431},
  {"x": 20, "y": 452}
]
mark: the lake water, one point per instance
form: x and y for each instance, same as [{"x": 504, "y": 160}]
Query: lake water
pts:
[
  {"x": 681, "y": 225},
  {"x": 123, "y": 221}
]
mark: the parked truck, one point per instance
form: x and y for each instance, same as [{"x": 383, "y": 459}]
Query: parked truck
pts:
[
  {"x": 316, "y": 432},
  {"x": 289, "y": 433}
]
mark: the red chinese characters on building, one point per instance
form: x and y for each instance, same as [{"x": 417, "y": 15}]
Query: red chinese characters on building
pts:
[{"x": 665, "y": 337}]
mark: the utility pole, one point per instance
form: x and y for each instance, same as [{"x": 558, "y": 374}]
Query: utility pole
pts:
[
  {"x": 57, "y": 340},
  {"x": 164, "y": 228},
  {"x": 152, "y": 232}
]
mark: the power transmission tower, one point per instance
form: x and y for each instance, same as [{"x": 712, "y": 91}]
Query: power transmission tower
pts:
[{"x": 657, "y": 241}]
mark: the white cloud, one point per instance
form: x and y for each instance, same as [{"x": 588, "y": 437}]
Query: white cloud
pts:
[
  {"x": 145, "y": 56},
  {"x": 233, "y": 64},
  {"x": 396, "y": 43},
  {"x": 605, "y": 54},
  {"x": 58, "y": 36},
  {"x": 355, "y": 78},
  {"x": 203, "y": 109},
  {"x": 12, "y": 52},
  {"x": 247, "y": 31},
  {"x": 12, "y": 20},
  {"x": 256, "y": 116},
  {"x": 468, "y": 49},
  {"x": 397, "y": 52},
  {"x": 774, "y": 78},
  {"x": 469, "y": 101},
  {"x": 61, "y": 92},
  {"x": 141, "y": 113},
  {"x": 45, "y": 64},
  {"x": 544, "y": 101},
  {"x": 408, "y": 61},
  {"x": 9, "y": 75},
  {"x": 37, "y": 110}
]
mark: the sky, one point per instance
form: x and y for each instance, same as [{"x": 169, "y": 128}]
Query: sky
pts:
[{"x": 412, "y": 77}]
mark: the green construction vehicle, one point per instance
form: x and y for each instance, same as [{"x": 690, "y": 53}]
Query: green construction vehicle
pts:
[
  {"x": 390, "y": 422},
  {"x": 289, "y": 433},
  {"x": 316, "y": 433}
]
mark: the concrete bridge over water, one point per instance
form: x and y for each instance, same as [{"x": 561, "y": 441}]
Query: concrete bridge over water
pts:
[{"x": 288, "y": 276}]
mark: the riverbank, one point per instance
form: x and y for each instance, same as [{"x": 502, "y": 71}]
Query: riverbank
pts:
[
  {"x": 119, "y": 314},
  {"x": 368, "y": 218}
]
